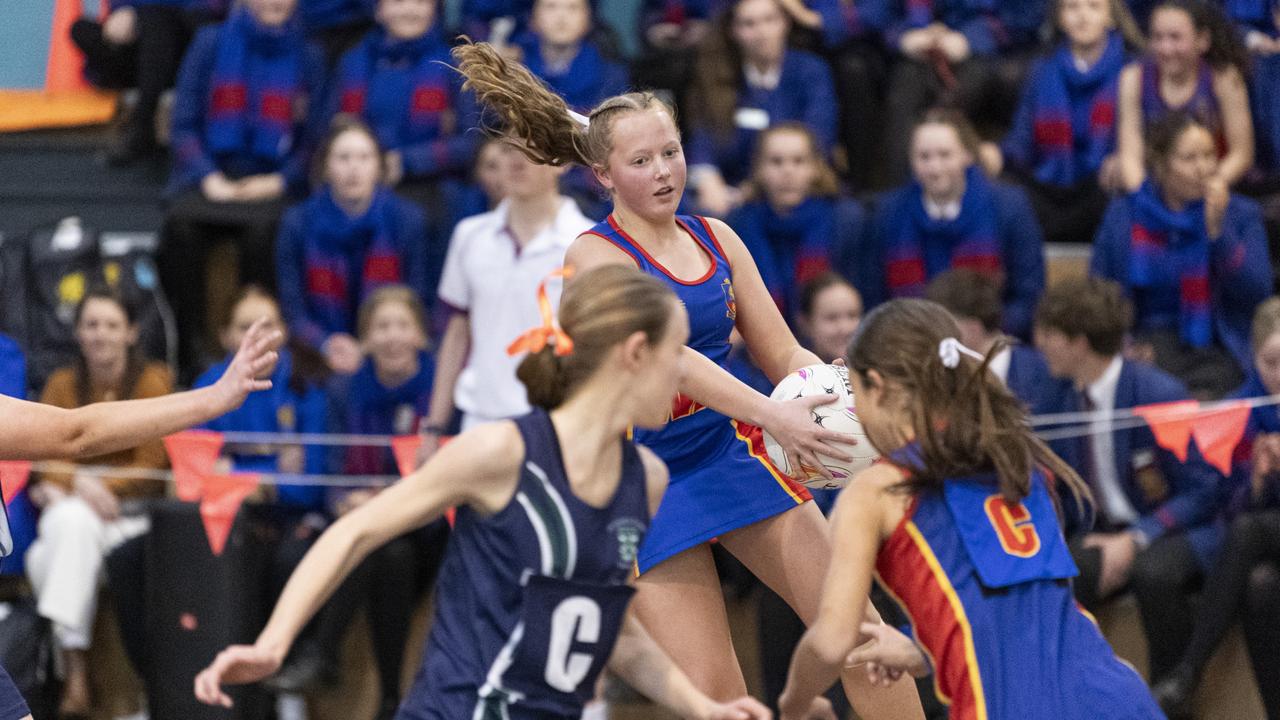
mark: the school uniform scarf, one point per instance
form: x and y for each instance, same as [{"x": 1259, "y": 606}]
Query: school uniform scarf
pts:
[
  {"x": 257, "y": 77},
  {"x": 972, "y": 236},
  {"x": 412, "y": 93},
  {"x": 581, "y": 83},
  {"x": 790, "y": 248},
  {"x": 347, "y": 258},
  {"x": 1170, "y": 249},
  {"x": 1054, "y": 118}
]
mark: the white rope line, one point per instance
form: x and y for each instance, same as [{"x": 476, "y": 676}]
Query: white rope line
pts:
[
  {"x": 1052, "y": 426},
  {"x": 1073, "y": 418},
  {"x": 332, "y": 439}
]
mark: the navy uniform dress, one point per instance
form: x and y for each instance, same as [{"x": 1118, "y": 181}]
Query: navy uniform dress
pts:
[
  {"x": 987, "y": 587},
  {"x": 531, "y": 599},
  {"x": 721, "y": 476}
]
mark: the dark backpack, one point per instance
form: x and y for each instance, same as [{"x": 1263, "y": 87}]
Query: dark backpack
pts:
[
  {"x": 26, "y": 653},
  {"x": 53, "y": 266}
]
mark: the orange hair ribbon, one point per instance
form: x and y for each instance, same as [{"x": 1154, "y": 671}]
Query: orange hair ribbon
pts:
[{"x": 535, "y": 339}]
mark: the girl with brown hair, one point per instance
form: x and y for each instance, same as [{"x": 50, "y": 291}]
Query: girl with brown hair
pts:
[
  {"x": 960, "y": 526},
  {"x": 794, "y": 222},
  {"x": 551, "y": 507},
  {"x": 81, "y": 519},
  {"x": 747, "y": 79},
  {"x": 723, "y": 484}
]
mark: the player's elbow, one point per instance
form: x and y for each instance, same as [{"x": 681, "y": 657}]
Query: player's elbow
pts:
[{"x": 830, "y": 647}]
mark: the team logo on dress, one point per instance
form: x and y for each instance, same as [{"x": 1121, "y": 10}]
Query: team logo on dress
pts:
[
  {"x": 629, "y": 532},
  {"x": 730, "y": 302}
]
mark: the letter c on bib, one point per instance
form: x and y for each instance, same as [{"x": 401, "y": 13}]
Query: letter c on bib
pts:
[
  {"x": 575, "y": 619},
  {"x": 1013, "y": 526}
]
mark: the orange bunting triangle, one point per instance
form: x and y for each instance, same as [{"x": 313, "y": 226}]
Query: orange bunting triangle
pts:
[
  {"x": 405, "y": 448},
  {"x": 13, "y": 477},
  {"x": 1218, "y": 432},
  {"x": 223, "y": 495},
  {"x": 192, "y": 454},
  {"x": 1171, "y": 424}
]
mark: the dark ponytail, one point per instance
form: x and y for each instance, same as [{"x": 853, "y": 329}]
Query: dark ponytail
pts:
[{"x": 900, "y": 340}]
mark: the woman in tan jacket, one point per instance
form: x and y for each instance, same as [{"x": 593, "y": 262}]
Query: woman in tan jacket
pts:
[{"x": 80, "y": 521}]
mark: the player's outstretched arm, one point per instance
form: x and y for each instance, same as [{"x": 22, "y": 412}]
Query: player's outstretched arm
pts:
[
  {"x": 856, "y": 529},
  {"x": 479, "y": 468},
  {"x": 33, "y": 431},
  {"x": 638, "y": 660}
]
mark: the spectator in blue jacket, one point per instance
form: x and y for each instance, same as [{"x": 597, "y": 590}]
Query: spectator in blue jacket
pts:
[
  {"x": 1245, "y": 585},
  {"x": 399, "y": 81},
  {"x": 245, "y": 93},
  {"x": 559, "y": 49},
  {"x": 1193, "y": 258},
  {"x": 746, "y": 80},
  {"x": 1153, "y": 521},
  {"x": 970, "y": 53},
  {"x": 388, "y": 396},
  {"x": 1062, "y": 144},
  {"x": 295, "y": 403},
  {"x": 951, "y": 216},
  {"x": 794, "y": 221},
  {"x": 140, "y": 44},
  {"x": 975, "y": 303},
  {"x": 350, "y": 238}
]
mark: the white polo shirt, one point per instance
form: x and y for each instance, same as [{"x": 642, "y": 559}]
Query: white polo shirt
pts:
[{"x": 488, "y": 276}]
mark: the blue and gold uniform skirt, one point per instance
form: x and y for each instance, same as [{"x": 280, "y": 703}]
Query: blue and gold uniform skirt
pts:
[{"x": 721, "y": 480}]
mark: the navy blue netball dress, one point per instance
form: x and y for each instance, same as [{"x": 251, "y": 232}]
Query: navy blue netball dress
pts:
[{"x": 531, "y": 599}]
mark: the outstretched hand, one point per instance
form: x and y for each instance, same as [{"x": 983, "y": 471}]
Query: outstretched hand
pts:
[
  {"x": 236, "y": 665},
  {"x": 252, "y": 365},
  {"x": 802, "y": 439},
  {"x": 888, "y": 655}
]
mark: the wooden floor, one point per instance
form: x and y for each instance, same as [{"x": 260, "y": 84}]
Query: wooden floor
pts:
[{"x": 1228, "y": 692}]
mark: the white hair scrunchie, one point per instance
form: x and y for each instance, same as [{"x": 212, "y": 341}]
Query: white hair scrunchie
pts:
[
  {"x": 579, "y": 118},
  {"x": 950, "y": 350}
]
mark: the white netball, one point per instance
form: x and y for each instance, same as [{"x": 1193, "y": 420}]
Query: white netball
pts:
[{"x": 838, "y": 416}]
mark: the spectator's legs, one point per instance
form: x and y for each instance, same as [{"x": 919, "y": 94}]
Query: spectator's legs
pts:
[
  {"x": 181, "y": 262},
  {"x": 913, "y": 87},
  {"x": 193, "y": 226},
  {"x": 126, "y": 578},
  {"x": 1262, "y": 632},
  {"x": 63, "y": 565},
  {"x": 1163, "y": 577},
  {"x": 860, "y": 77},
  {"x": 106, "y": 65},
  {"x": 164, "y": 32},
  {"x": 1089, "y": 563}
]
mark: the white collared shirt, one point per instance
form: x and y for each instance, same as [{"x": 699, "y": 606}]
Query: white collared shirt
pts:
[
  {"x": 1000, "y": 363},
  {"x": 767, "y": 80},
  {"x": 1113, "y": 501},
  {"x": 495, "y": 281},
  {"x": 942, "y": 211}
]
